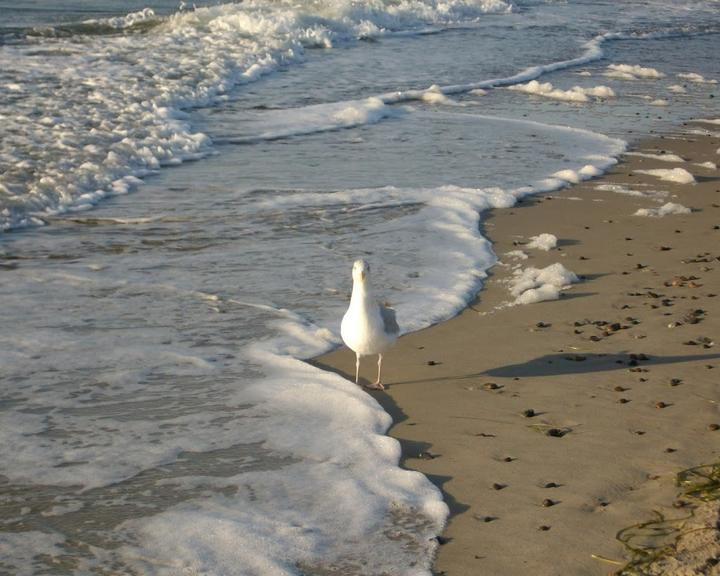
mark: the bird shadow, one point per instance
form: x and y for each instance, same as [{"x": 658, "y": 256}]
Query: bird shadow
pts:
[{"x": 571, "y": 363}]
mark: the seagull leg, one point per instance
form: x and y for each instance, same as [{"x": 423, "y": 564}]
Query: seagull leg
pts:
[
  {"x": 378, "y": 384},
  {"x": 357, "y": 367}
]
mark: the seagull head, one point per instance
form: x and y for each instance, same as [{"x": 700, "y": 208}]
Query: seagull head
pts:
[{"x": 360, "y": 270}]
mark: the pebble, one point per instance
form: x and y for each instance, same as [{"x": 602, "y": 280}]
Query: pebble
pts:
[
  {"x": 498, "y": 486},
  {"x": 619, "y": 389},
  {"x": 432, "y": 363},
  {"x": 508, "y": 459},
  {"x": 713, "y": 427},
  {"x": 623, "y": 400},
  {"x": 556, "y": 432},
  {"x": 675, "y": 381},
  {"x": 547, "y": 503},
  {"x": 544, "y": 528},
  {"x": 529, "y": 413},
  {"x": 490, "y": 386},
  {"x": 660, "y": 405},
  {"x": 670, "y": 450},
  {"x": 551, "y": 485},
  {"x": 543, "y": 325}
]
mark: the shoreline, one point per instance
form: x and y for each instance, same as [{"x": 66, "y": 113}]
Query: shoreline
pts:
[{"x": 551, "y": 426}]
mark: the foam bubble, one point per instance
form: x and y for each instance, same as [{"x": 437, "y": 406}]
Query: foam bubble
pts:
[
  {"x": 677, "y": 175},
  {"x": 632, "y": 72},
  {"x": 574, "y": 94},
  {"x": 530, "y": 285},
  {"x": 696, "y": 78},
  {"x": 543, "y": 241},
  {"x": 664, "y": 210}
]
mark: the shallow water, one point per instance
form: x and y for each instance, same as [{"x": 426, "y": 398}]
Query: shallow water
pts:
[{"x": 183, "y": 197}]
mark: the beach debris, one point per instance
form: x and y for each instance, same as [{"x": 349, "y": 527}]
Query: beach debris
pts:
[
  {"x": 491, "y": 386},
  {"x": 547, "y": 503},
  {"x": 675, "y": 381},
  {"x": 713, "y": 427},
  {"x": 543, "y": 325},
  {"x": 428, "y": 455},
  {"x": 551, "y": 485},
  {"x": 498, "y": 486},
  {"x": 694, "y": 316},
  {"x": 660, "y": 405},
  {"x": 529, "y": 413},
  {"x": 623, "y": 400},
  {"x": 433, "y": 363},
  {"x": 544, "y": 528},
  {"x": 620, "y": 389}
]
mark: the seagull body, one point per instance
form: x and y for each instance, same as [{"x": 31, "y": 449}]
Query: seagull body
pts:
[{"x": 368, "y": 327}]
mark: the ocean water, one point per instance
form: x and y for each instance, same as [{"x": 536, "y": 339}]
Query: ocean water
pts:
[{"x": 183, "y": 189}]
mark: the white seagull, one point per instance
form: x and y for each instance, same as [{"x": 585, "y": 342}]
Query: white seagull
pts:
[{"x": 368, "y": 327}]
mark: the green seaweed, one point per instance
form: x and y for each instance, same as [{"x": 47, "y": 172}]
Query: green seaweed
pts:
[{"x": 658, "y": 537}]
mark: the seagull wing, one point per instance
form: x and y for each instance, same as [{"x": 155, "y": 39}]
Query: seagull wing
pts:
[{"x": 389, "y": 320}]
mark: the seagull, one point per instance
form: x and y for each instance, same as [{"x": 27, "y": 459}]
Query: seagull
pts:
[{"x": 368, "y": 326}]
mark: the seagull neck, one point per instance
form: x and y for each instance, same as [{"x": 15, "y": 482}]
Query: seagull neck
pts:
[{"x": 361, "y": 292}]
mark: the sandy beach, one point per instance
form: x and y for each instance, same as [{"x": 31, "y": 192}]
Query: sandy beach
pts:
[{"x": 552, "y": 426}]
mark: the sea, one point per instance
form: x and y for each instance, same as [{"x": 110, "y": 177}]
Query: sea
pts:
[{"x": 183, "y": 190}]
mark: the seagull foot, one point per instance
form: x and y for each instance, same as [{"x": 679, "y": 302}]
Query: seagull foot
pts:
[{"x": 375, "y": 386}]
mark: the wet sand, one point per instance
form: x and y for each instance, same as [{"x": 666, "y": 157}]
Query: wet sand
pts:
[{"x": 551, "y": 426}]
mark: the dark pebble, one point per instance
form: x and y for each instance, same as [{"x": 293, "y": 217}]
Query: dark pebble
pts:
[
  {"x": 660, "y": 405},
  {"x": 508, "y": 459},
  {"x": 713, "y": 427},
  {"x": 498, "y": 486},
  {"x": 623, "y": 400},
  {"x": 543, "y": 325},
  {"x": 675, "y": 381},
  {"x": 619, "y": 389},
  {"x": 490, "y": 386},
  {"x": 670, "y": 450},
  {"x": 547, "y": 503},
  {"x": 551, "y": 485},
  {"x": 529, "y": 413},
  {"x": 431, "y": 363},
  {"x": 556, "y": 432},
  {"x": 595, "y": 338},
  {"x": 544, "y": 528},
  {"x": 442, "y": 540}
]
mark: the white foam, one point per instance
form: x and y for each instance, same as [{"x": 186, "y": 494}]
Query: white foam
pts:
[
  {"x": 659, "y": 102},
  {"x": 530, "y": 285},
  {"x": 709, "y": 165},
  {"x": 542, "y": 241},
  {"x": 434, "y": 95},
  {"x": 631, "y": 72},
  {"x": 696, "y": 78},
  {"x": 664, "y": 210},
  {"x": 662, "y": 157},
  {"x": 677, "y": 175},
  {"x": 574, "y": 94},
  {"x": 620, "y": 189},
  {"x": 708, "y": 120},
  {"x": 118, "y": 126},
  {"x": 677, "y": 89},
  {"x": 518, "y": 254}
]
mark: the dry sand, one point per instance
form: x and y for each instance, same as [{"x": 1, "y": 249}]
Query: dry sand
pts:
[{"x": 527, "y": 502}]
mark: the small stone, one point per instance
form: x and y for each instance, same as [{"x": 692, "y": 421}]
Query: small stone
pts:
[
  {"x": 498, "y": 486},
  {"x": 508, "y": 459},
  {"x": 670, "y": 450},
  {"x": 619, "y": 389},
  {"x": 551, "y": 485},
  {"x": 547, "y": 503},
  {"x": 595, "y": 338},
  {"x": 713, "y": 427},
  {"x": 544, "y": 528},
  {"x": 490, "y": 386},
  {"x": 543, "y": 325},
  {"x": 529, "y": 413},
  {"x": 431, "y": 363},
  {"x": 660, "y": 405},
  {"x": 623, "y": 400},
  {"x": 675, "y": 381}
]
